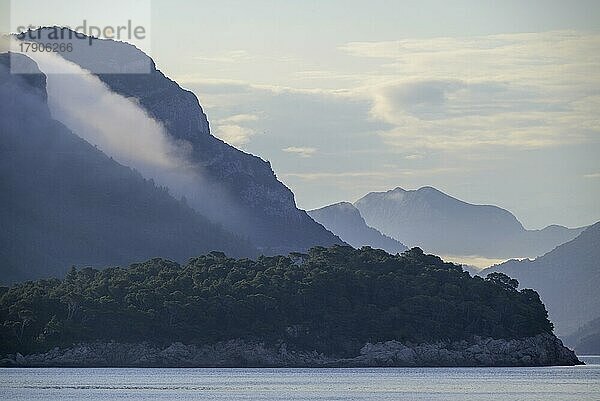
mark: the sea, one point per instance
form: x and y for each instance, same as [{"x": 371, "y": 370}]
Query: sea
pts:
[{"x": 576, "y": 383}]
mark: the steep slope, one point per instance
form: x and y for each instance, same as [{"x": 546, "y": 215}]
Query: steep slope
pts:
[
  {"x": 344, "y": 220},
  {"x": 241, "y": 192},
  {"x": 63, "y": 202},
  {"x": 445, "y": 225},
  {"x": 567, "y": 279}
]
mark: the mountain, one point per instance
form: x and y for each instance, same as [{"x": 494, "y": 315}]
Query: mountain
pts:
[
  {"x": 567, "y": 279},
  {"x": 64, "y": 203},
  {"x": 586, "y": 340},
  {"x": 344, "y": 220},
  {"x": 240, "y": 190},
  {"x": 445, "y": 225}
]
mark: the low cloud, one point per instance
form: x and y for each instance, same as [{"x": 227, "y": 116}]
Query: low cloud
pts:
[
  {"x": 116, "y": 125},
  {"x": 122, "y": 129}
]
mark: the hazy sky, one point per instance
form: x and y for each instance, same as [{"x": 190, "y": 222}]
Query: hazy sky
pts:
[{"x": 490, "y": 101}]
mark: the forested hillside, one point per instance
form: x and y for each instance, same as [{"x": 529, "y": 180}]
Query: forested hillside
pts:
[{"x": 333, "y": 300}]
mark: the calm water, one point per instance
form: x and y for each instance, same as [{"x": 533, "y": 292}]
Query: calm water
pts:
[{"x": 494, "y": 384}]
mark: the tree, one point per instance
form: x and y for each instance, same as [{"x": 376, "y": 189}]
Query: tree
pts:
[
  {"x": 340, "y": 297},
  {"x": 503, "y": 280}
]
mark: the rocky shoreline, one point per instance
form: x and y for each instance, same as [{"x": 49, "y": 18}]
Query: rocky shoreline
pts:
[{"x": 541, "y": 350}]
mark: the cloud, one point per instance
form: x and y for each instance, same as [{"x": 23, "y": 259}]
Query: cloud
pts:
[
  {"x": 331, "y": 121},
  {"x": 117, "y": 125},
  {"x": 383, "y": 175},
  {"x": 122, "y": 129},
  {"x": 241, "y": 118},
  {"x": 241, "y": 56},
  {"x": 524, "y": 90},
  {"x": 214, "y": 86},
  {"x": 233, "y": 134},
  {"x": 528, "y": 90},
  {"x": 234, "y": 130},
  {"x": 303, "y": 152},
  {"x": 455, "y": 112},
  {"x": 231, "y": 56},
  {"x": 477, "y": 56}
]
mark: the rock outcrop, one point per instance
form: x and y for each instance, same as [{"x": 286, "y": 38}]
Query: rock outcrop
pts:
[{"x": 541, "y": 350}]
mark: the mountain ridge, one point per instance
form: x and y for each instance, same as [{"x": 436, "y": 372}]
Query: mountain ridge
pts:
[
  {"x": 567, "y": 278},
  {"x": 243, "y": 193},
  {"x": 344, "y": 220},
  {"x": 64, "y": 202},
  {"x": 440, "y": 223}
]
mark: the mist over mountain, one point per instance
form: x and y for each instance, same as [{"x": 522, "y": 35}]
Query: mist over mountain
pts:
[
  {"x": 236, "y": 189},
  {"x": 344, "y": 220},
  {"x": 63, "y": 202},
  {"x": 105, "y": 166},
  {"x": 439, "y": 223},
  {"x": 567, "y": 279}
]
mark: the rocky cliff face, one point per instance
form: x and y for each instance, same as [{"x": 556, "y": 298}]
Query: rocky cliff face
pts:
[
  {"x": 541, "y": 350},
  {"x": 241, "y": 191}
]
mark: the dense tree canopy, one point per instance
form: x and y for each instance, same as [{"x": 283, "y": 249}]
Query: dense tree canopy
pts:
[{"x": 332, "y": 300}]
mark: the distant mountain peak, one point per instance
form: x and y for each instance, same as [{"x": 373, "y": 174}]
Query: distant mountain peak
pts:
[
  {"x": 431, "y": 190},
  {"x": 345, "y": 220},
  {"x": 443, "y": 224},
  {"x": 345, "y": 205},
  {"x": 397, "y": 193},
  {"x": 400, "y": 193},
  {"x": 340, "y": 211}
]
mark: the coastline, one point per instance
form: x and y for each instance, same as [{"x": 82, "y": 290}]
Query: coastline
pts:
[{"x": 540, "y": 350}]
